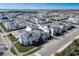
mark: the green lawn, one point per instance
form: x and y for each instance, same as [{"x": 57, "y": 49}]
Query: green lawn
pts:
[
  {"x": 22, "y": 48},
  {"x": 13, "y": 51},
  {"x": 6, "y": 30},
  {"x": 32, "y": 51},
  {"x": 11, "y": 37},
  {"x": 4, "y": 36},
  {"x": 72, "y": 50}
]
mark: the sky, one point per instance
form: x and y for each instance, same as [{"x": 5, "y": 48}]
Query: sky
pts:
[{"x": 39, "y": 5}]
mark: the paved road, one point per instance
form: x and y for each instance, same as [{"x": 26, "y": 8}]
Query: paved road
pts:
[
  {"x": 7, "y": 44},
  {"x": 54, "y": 45},
  {"x": 2, "y": 45},
  {"x": 6, "y": 40},
  {"x": 7, "y": 53}
]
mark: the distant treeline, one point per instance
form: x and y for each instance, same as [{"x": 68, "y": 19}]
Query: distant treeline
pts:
[
  {"x": 19, "y": 12},
  {"x": 22, "y": 12}
]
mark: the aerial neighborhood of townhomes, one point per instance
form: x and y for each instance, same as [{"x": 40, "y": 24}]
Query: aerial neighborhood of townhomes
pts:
[{"x": 50, "y": 29}]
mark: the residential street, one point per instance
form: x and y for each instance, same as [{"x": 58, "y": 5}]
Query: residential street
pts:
[
  {"x": 6, "y": 44},
  {"x": 2, "y": 45},
  {"x": 7, "y": 41}
]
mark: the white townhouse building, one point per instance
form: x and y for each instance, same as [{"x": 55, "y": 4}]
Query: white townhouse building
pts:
[
  {"x": 46, "y": 29},
  {"x": 67, "y": 25},
  {"x": 55, "y": 28},
  {"x": 26, "y": 37},
  {"x": 29, "y": 37},
  {"x": 74, "y": 20},
  {"x": 10, "y": 25},
  {"x": 13, "y": 25}
]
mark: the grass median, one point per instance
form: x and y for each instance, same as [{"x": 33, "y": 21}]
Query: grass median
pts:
[
  {"x": 13, "y": 51},
  {"x": 32, "y": 51},
  {"x": 22, "y": 48},
  {"x": 3, "y": 27},
  {"x": 71, "y": 50},
  {"x": 11, "y": 37}
]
